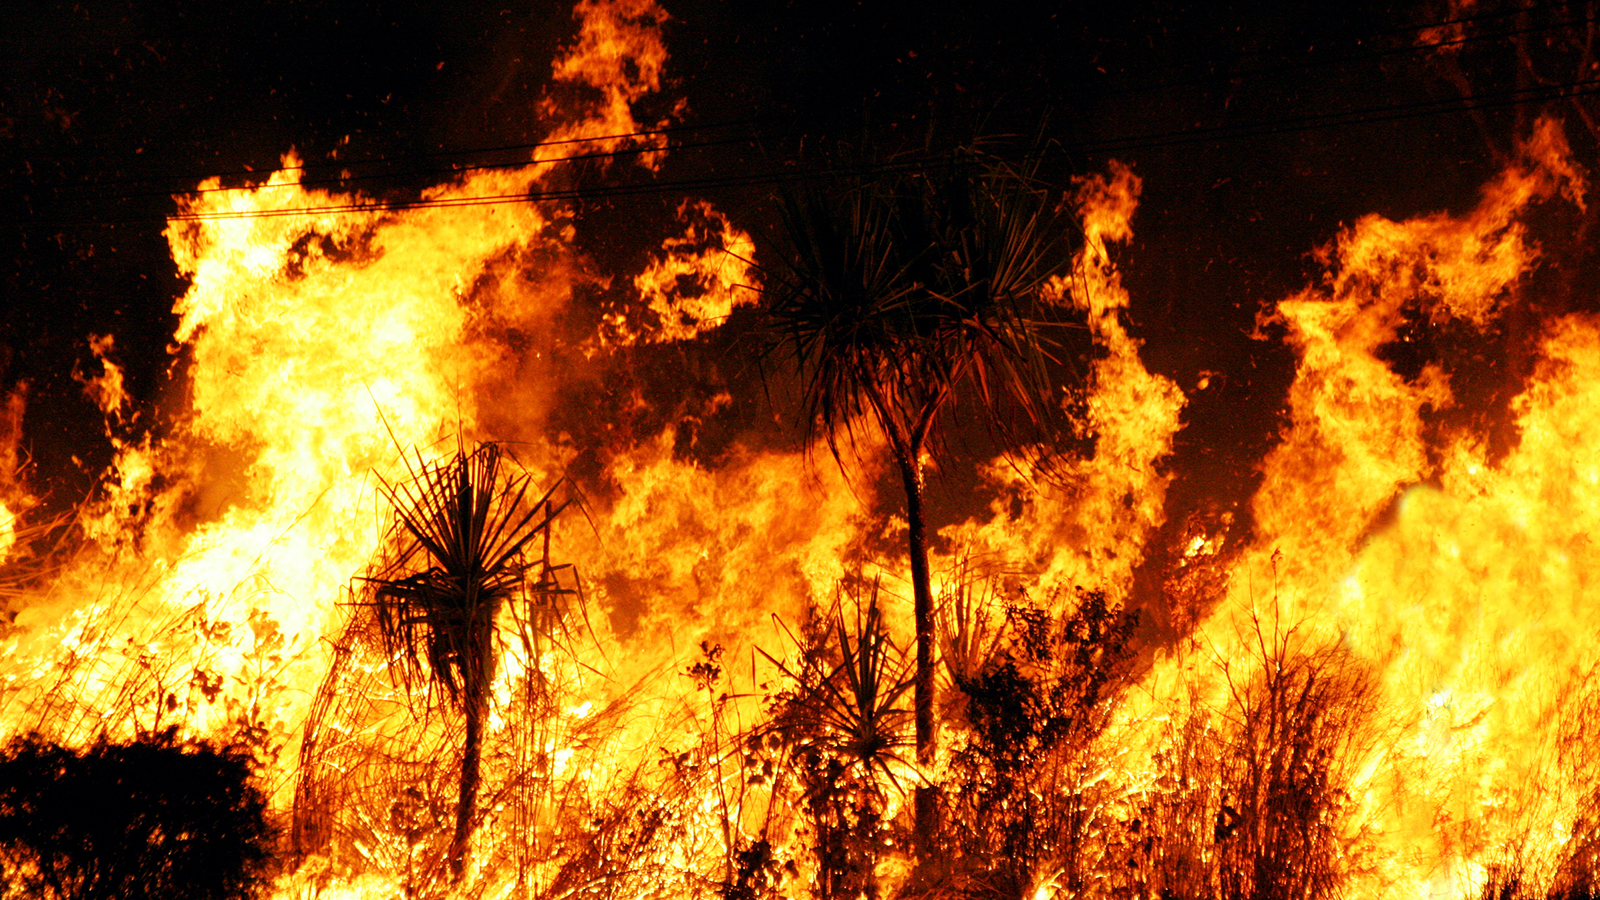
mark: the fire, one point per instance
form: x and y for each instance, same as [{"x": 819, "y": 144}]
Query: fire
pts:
[
  {"x": 1382, "y": 689},
  {"x": 8, "y": 531},
  {"x": 1418, "y": 558},
  {"x": 105, "y": 390},
  {"x": 620, "y": 54},
  {"x": 14, "y": 499},
  {"x": 698, "y": 280}
]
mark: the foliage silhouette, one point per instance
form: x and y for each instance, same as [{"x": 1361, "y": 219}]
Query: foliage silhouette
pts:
[
  {"x": 461, "y": 534},
  {"x": 1032, "y": 710},
  {"x": 842, "y": 725},
  {"x": 1297, "y": 722},
  {"x": 1251, "y": 801},
  {"x": 156, "y": 818}
]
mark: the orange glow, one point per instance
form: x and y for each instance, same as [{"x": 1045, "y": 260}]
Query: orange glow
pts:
[
  {"x": 699, "y": 278},
  {"x": 105, "y": 390},
  {"x": 1441, "y": 571},
  {"x": 1414, "y": 603},
  {"x": 1091, "y": 531},
  {"x": 620, "y": 54},
  {"x": 14, "y": 497}
]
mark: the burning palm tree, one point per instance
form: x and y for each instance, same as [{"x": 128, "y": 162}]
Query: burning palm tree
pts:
[
  {"x": 912, "y": 289},
  {"x": 460, "y": 557}
]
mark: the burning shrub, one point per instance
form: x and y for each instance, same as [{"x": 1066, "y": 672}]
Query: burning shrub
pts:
[
  {"x": 153, "y": 818},
  {"x": 843, "y": 728},
  {"x": 1017, "y": 802},
  {"x": 1554, "y": 852},
  {"x": 1250, "y": 799},
  {"x": 1278, "y": 824},
  {"x": 459, "y": 554}
]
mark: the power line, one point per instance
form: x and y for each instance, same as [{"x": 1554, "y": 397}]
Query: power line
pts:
[
  {"x": 457, "y": 170},
  {"x": 758, "y": 124},
  {"x": 440, "y": 154},
  {"x": 1154, "y": 140},
  {"x": 1365, "y": 116},
  {"x": 1369, "y": 115}
]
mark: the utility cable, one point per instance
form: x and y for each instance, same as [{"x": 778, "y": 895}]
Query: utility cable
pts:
[
  {"x": 1369, "y": 115},
  {"x": 350, "y": 165}
]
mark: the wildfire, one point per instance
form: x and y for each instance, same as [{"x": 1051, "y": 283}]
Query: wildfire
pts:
[{"x": 1385, "y": 688}]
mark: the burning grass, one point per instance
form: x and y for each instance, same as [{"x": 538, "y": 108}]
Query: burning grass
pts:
[
  {"x": 1409, "y": 712},
  {"x": 1249, "y": 790}
]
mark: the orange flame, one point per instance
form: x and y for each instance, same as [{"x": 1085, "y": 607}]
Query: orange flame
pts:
[{"x": 1445, "y": 589}]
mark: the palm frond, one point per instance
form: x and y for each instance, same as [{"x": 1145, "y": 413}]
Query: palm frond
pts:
[
  {"x": 970, "y": 635},
  {"x": 848, "y": 693},
  {"x": 462, "y": 531},
  {"x": 903, "y": 286}
]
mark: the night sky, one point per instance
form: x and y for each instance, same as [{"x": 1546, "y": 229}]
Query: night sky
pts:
[{"x": 1259, "y": 130}]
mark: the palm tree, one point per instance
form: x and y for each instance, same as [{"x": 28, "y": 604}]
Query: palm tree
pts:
[
  {"x": 461, "y": 530},
  {"x": 912, "y": 288},
  {"x": 844, "y": 726}
]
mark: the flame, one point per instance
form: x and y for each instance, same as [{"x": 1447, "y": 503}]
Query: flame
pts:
[
  {"x": 8, "y": 531},
  {"x": 106, "y": 390},
  {"x": 14, "y": 497},
  {"x": 325, "y": 336},
  {"x": 619, "y": 53},
  {"x": 1381, "y": 536},
  {"x": 698, "y": 280},
  {"x": 1413, "y": 601},
  {"x": 1092, "y": 532}
]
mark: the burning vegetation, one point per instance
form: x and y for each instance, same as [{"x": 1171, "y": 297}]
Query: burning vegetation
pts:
[{"x": 373, "y": 613}]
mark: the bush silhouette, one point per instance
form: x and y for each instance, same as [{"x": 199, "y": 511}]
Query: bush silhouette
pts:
[
  {"x": 1017, "y": 806},
  {"x": 155, "y": 818}
]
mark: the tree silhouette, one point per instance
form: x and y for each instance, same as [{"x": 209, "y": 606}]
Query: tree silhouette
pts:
[
  {"x": 153, "y": 818},
  {"x": 911, "y": 288},
  {"x": 462, "y": 530}
]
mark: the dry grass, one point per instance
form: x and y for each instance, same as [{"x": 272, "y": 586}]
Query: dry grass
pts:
[
  {"x": 1564, "y": 796},
  {"x": 1025, "y": 806},
  {"x": 1250, "y": 801}
]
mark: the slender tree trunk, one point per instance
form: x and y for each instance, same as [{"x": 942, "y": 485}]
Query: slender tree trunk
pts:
[
  {"x": 925, "y": 803},
  {"x": 475, "y": 704}
]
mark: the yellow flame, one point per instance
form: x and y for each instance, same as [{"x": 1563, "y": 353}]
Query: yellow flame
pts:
[
  {"x": 106, "y": 390},
  {"x": 1443, "y": 593},
  {"x": 699, "y": 278}
]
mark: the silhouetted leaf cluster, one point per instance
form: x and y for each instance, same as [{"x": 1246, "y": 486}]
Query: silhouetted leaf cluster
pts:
[
  {"x": 906, "y": 285},
  {"x": 461, "y": 558},
  {"x": 156, "y": 818},
  {"x": 461, "y": 535},
  {"x": 844, "y": 727},
  {"x": 1030, "y": 710},
  {"x": 1278, "y": 826},
  {"x": 757, "y": 872}
]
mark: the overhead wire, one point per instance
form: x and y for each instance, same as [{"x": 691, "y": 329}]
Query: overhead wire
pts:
[
  {"x": 1367, "y": 115},
  {"x": 1232, "y": 131},
  {"x": 337, "y": 164},
  {"x": 352, "y": 166}
]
